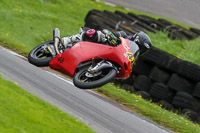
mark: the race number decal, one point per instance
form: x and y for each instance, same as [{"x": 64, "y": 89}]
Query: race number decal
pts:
[
  {"x": 130, "y": 57},
  {"x": 61, "y": 59}
]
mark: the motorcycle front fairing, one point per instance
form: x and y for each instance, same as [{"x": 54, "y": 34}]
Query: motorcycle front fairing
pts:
[{"x": 68, "y": 61}]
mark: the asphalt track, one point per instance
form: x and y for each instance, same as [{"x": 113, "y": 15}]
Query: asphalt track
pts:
[
  {"x": 99, "y": 113},
  {"x": 184, "y": 11}
]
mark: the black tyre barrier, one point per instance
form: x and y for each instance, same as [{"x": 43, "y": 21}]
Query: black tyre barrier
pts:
[
  {"x": 153, "y": 23},
  {"x": 142, "y": 83},
  {"x": 133, "y": 15},
  {"x": 119, "y": 23},
  {"x": 191, "y": 115},
  {"x": 197, "y": 31},
  {"x": 95, "y": 24},
  {"x": 133, "y": 23},
  {"x": 159, "y": 75},
  {"x": 142, "y": 68},
  {"x": 96, "y": 19},
  {"x": 168, "y": 62},
  {"x": 164, "y": 22},
  {"x": 178, "y": 83},
  {"x": 185, "y": 76},
  {"x": 166, "y": 105},
  {"x": 170, "y": 28},
  {"x": 196, "y": 91},
  {"x": 183, "y": 100},
  {"x": 113, "y": 16},
  {"x": 144, "y": 95},
  {"x": 189, "y": 70},
  {"x": 124, "y": 16},
  {"x": 176, "y": 31},
  {"x": 188, "y": 34},
  {"x": 196, "y": 104},
  {"x": 113, "y": 22},
  {"x": 152, "y": 55},
  {"x": 176, "y": 34},
  {"x": 161, "y": 92},
  {"x": 93, "y": 12},
  {"x": 138, "y": 22}
]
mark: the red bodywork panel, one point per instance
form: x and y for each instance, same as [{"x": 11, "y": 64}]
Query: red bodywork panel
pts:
[{"x": 67, "y": 61}]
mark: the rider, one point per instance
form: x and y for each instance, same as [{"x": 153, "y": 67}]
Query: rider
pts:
[{"x": 109, "y": 38}]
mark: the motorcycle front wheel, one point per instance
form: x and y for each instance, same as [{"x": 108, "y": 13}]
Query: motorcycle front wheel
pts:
[
  {"x": 83, "y": 80},
  {"x": 40, "y": 56}
]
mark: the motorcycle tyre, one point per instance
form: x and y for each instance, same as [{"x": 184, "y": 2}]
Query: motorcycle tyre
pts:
[
  {"x": 98, "y": 83},
  {"x": 38, "y": 61}
]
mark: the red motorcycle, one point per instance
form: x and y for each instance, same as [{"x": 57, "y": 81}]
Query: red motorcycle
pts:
[{"x": 90, "y": 64}]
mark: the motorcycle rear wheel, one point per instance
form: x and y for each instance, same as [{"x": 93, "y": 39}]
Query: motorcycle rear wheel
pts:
[
  {"x": 38, "y": 57},
  {"x": 82, "y": 81}
]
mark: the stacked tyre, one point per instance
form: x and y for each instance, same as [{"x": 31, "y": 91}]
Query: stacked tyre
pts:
[
  {"x": 157, "y": 75},
  {"x": 132, "y": 23},
  {"x": 169, "y": 81}
]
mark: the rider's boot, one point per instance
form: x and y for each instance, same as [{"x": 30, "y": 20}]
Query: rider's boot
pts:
[
  {"x": 66, "y": 41},
  {"x": 69, "y": 41}
]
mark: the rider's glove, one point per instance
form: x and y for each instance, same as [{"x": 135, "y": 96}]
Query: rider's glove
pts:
[{"x": 112, "y": 39}]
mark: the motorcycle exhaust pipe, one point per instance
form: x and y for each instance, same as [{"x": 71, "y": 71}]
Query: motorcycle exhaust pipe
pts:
[
  {"x": 56, "y": 39},
  {"x": 100, "y": 66},
  {"x": 56, "y": 33}
]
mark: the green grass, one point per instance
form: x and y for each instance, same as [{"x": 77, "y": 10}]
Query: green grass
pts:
[
  {"x": 149, "y": 110},
  {"x": 21, "y": 112},
  {"x": 25, "y": 24}
]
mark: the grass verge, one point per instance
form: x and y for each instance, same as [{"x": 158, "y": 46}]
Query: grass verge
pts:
[
  {"x": 25, "y": 24},
  {"x": 149, "y": 110},
  {"x": 21, "y": 112}
]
